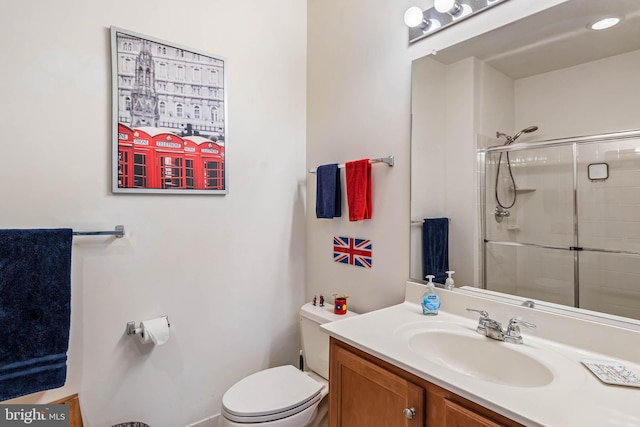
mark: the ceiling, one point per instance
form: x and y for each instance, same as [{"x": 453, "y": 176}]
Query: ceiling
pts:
[{"x": 554, "y": 39}]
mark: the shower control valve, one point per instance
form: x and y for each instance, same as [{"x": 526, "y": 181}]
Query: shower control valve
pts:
[{"x": 500, "y": 213}]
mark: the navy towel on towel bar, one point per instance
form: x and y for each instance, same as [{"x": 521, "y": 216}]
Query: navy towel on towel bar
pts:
[
  {"x": 328, "y": 191},
  {"x": 35, "y": 299},
  {"x": 435, "y": 248}
]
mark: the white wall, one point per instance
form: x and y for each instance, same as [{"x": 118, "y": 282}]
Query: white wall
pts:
[
  {"x": 358, "y": 105},
  {"x": 460, "y": 168},
  {"x": 358, "y": 98},
  {"x": 448, "y": 103},
  {"x": 228, "y": 270},
  {"x": 428, "y": 157},
  {"x": 358, "y": 101},
  {"x": 596, "y": 97}
]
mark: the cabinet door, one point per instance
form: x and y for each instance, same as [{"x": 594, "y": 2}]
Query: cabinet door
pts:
[
  {"x": 363, "y": 394},
  {"x": 459, "y": 416}
]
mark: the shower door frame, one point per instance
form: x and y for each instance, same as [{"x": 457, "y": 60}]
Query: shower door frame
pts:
[{"x": 576, "y": 248}]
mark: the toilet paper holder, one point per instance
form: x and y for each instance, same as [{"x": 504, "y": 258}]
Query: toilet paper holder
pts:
[{"x": 132, "y": 330}]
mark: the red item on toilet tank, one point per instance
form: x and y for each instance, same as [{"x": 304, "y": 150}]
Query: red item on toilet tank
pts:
[{"x": 340, "y": 306}]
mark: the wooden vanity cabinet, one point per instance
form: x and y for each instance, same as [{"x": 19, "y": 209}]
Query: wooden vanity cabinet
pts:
[{"x": 365, "y": 391}]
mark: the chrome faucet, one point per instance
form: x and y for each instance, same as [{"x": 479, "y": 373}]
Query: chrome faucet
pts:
[
  {"x": 482, "y": 322},
  {"x": 493, "y": 329}
]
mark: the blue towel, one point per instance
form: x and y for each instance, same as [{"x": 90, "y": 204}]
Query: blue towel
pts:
[
  {"x": 435, "y": 248},
  {"x": 35, "y": 297},
  {"x": 328, "y": 191}
]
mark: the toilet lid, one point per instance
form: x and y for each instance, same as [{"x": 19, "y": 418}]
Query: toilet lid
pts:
[{"x": 270, "y": 395}]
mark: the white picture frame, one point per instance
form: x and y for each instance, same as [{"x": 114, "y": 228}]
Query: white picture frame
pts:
[{"x": 169, "y": 109}]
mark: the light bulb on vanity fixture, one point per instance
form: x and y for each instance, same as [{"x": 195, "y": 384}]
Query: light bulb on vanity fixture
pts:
[
  {"x": 443, "y": 13},
  {"x": 452, "y": 7},
  {"x": 414, "y": 17}
]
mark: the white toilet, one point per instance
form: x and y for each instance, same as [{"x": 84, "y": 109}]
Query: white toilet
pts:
[{"x": 285, "y": 396}]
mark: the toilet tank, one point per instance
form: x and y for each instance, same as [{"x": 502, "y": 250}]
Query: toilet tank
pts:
[{"x": 315, "y": 342}]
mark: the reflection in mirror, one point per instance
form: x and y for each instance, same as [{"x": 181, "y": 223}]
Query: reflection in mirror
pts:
[
  {"x": 567, "y": 239},
  {"x": 586, "y": 250}
]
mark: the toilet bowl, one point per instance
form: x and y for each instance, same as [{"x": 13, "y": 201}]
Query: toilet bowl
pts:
[{"x": 285, "y": 396}]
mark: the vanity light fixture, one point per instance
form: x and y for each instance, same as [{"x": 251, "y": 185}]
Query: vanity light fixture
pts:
[
  {"x": 605, "y": 23},
  {"x": 443, "y": 13}
]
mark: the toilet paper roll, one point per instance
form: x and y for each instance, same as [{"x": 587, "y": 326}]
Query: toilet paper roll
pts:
[{"x": 155, "y": 331}]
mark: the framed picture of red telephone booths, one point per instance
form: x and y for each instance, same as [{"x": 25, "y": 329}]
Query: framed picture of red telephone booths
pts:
[{"x": 169, "y": 117}]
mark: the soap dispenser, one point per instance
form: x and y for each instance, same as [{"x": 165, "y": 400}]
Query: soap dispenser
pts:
[
  {"x": 448, "y": 284},
  {"x": 430, "y": 300}
]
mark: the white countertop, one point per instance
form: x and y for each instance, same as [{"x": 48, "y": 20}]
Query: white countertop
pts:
[{"x": 575, "y": 397}]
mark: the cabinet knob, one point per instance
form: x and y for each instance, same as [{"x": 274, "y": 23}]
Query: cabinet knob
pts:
[{"x": 409, "y": 413}]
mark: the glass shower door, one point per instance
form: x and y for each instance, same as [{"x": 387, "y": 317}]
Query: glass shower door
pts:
[
  {"x": 608, "y": 183},
  {"x": 529, "y": 223}
]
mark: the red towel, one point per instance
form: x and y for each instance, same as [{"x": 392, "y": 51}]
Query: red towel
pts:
[{"x": 358, "y": 176}]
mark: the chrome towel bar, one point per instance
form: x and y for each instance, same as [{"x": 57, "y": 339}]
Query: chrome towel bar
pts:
[
  {"x": 118, "y": 232},
  {"x": 389, "y": 160}
]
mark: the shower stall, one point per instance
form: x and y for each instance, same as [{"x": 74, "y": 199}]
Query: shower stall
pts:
[{"x": 561, "y": 220}]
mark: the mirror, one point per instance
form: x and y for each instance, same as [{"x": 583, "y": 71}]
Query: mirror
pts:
[{"x": 550, "y": 71}]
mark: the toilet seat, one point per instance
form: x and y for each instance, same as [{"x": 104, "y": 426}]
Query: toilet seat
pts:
[{"x": 270, "y": 395}]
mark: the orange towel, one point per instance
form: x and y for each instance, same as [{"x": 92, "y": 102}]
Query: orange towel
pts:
[{"x": 358, "y": 177}]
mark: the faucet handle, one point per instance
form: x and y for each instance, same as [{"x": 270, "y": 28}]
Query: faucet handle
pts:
[
  {"x": 513, "y": 330},
  {"x": 482, "y": 313},
  {"x": 515, "y": 322},
  {"x": 482, "y": 322}
]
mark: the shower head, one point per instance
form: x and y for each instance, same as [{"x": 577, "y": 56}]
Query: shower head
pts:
[
  {"x": 525, "y": 130},
  {"x": 511, "y": 139}
]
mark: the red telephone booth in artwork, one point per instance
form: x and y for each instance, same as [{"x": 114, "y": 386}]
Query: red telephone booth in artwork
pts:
[
  {"x": 193, "y": 163},
  {"x": 159, "y": 159},
  {"x": 169, "y": 170},
  {"x": 143, "y": 160},
  {"x": 125, "y": 156},
  {"x": 208, "y": 162},
  {"x": 135, "y": 158},
  {"x": 213, "y": 172}
]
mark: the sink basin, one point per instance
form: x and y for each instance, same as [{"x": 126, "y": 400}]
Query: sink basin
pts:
[{"x": 480, "y": 357}]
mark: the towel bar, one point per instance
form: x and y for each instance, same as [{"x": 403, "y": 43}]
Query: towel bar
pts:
[
  {"x": 420, "y": 222},
  {"x": 389, "y": 160},
  {"x": 118, "y": 232}
]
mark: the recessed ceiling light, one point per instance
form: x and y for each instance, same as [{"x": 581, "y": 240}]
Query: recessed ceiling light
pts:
[{"x": 604, "y": 23}]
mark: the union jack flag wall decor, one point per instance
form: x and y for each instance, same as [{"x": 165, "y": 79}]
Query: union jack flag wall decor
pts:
[{"x": 349, "y": 250}]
